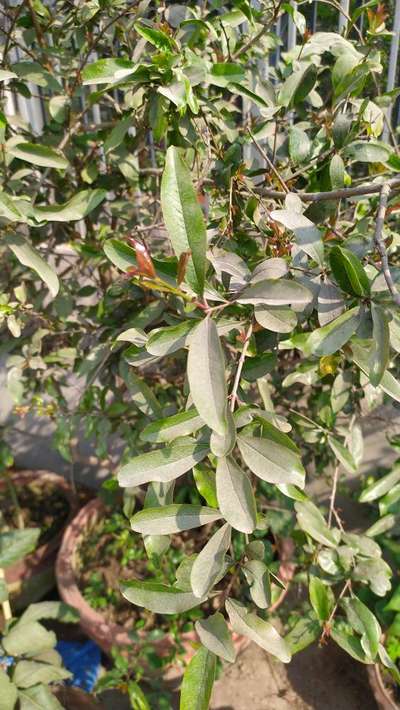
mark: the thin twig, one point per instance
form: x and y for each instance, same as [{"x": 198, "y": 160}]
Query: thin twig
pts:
[
  {"x": 328, "y": 623},
  {"x": 380, "y": 244},
  {"x": 240, "y": 366},
  {"x": 333, "y": 495},
  {"x": 369, "y": 189},
  {"x": 268, "y": 161}
]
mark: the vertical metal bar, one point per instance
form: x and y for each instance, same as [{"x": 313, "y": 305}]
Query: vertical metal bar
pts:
[
  {"x": 345, "y": 5},
  {"x": 392, "y": 69},
  {"x": 314, "y": 17},
  {"x": 292, "y": 32}
]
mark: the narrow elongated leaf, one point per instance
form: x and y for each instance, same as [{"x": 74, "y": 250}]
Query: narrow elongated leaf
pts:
[
  {"x": 257, "y": 577},
  {"x": 214, "y": 634},
  {"x": 313, "y": 523},
  {"x": 365, "y": 623},
  {"x": 41, "y": 155},
  {"x": 276, "y": 292},
  {"x": 337, "y": 172},
  {"x": 171, "y": 428},
  {"x": 308, "y": 236},
  {"x": 272, "y": 459},
  {"x": 380, "y": 352},
  {"x": 159, "y": 39},
  {"x": 198, "y": 681},
  {"x": 140, "y": 393},
  {"x": 380, "y": 487},
  {"x": 106, "y": 71},
  {"x": 321, "y": 598},
  {"x": 204, "y": 479},
  {"x": 235, "y": 496},
  {"x": 368, "y": 152},
  {"x": 388, "y": 383},
  {"x": 49, "y": 610},
  {"x": 183, "y": 217},
  {"x": 14, "y": 545},
  {"x": 158, "y": 598},
  {"x": 298, "y": 85},
  {"x": 78, "y": 207},
  {"x": 331, "y": 337},
  {"x": 330, "y": 303},
  {"x": 164, "y": 464},
  {"x": 206, "y": 375},
  {"x": 173, "y": 518},
  {"x": 163, "y": 341},
  {"x": 210, "y": 561},
  {"x": 222, "y": 445},
  {"x": 349, "y": 272},
  {"x": 258, "y": 630},
  {"x": 28, "y": 256},
  {"x": 342, "y": 454}
]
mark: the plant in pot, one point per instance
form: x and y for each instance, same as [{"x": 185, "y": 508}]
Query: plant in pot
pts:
[{"x": 265, "y": 265}]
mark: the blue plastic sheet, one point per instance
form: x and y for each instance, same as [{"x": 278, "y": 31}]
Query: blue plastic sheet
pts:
[{"x": 83, "y": 660}]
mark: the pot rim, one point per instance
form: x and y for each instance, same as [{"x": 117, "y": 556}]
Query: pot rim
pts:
[{"x": 109, "y": 634}]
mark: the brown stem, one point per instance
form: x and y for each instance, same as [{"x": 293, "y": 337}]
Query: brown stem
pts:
[
  {"x": 380, "y": 244},
  {"x": 369, "y": 189},
  {"x": 240, "y": 367}
]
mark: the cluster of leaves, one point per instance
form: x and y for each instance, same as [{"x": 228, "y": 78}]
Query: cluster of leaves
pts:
[{"x": 231, "y": 321}]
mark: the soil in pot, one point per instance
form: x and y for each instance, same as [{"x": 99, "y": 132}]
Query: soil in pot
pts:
[
  {"x": 39, "y": 506},
  {"x": 110, "y": 553}
]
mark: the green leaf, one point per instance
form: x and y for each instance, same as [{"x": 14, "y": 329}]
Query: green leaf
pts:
[
  {"x": 39, "y": 697},
  {"x": 299, "y": 145},
  {"x": 140, "y": 393},
  {"x": 183, "y": 217},
  {"x": 158, "y": 598},
  {"x": 380, "y": 352},
  {"x": 276, "y": 292},
  {"x": 28, "y": 639},
  {"x": 235, "y": 496},
  {"x": 16, "y": 544},
  {"x": 365, "y": 623},
  {"x": 164, "y": 341},
  {"x": 349, "y": 272},
  {"x": 164, "y": 464},
  {"x": 257, "y": 630},
  {"x": 342, "y": 454},
  {"x": 205, "y": 483},
  {"x": 308, "y": 236},
  {"x": 118, "y": 133},
  {"x": 50, "y": 610},
  {"x": 306, "y": 630},
  {"x": 210, "y": 561},
  {"x": 206, "y": 375},
  {"x": 58, "y": 108},
  {"x": 272, "y": 457},
  {"x": 78, "y": 207},
  {"x": 313, "y": 523},
  {"x": 28, "y": 256},
  {"x": 297, "y": 86},
  {"x": 321, "y": 597},
  {"x": 278, "y": 319},
  {"x": 107, "y": 71},
  {"x": 214, "y": 634},
  {"x": 380, "y": 487},
  {"x": 198, "y": 681},
  {"x": 159, "y": 39},
  {"x": 37, "y": 154},
  {"x": 224, "y": 73},
  {"x": 368, "y": 152},
  {"x": 376, "y": 573},
  {"x": 120, "y": 254},
  {"x": 257, "y": 577},
  {"x": 222, "y": 445},
  {"x": 337, "y": 172},
  {"x": 331, "y": 337},
  {"x": 388, "y": 383},
  {"x": 29, "y": 673},
  {"x": 8, "y": 692},
  {"x": 344, "y": 636},
  {"x": 9, "y": 210},
  {"x": 171, "y": 428},
  {"x": 173, "y": 518}
]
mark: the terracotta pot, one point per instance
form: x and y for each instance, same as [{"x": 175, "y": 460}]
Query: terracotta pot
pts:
[
  {"x": 33, "y": 576},
  {"x": 383, "y": 696},
  {"x": 94, "y": 624}
]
